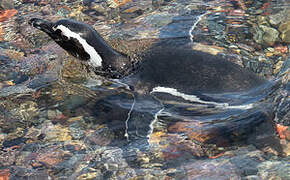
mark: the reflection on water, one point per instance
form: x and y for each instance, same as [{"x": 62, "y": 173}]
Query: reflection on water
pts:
[{"x": 59, "y": 121}]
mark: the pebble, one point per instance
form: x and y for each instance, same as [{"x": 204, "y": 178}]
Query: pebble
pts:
[
  {"x": 270, "y": 35},
  {"x": 55, "y": 133},
  {"x": 5, "y": 174},
  {"x": 284, "y": 28},
  {"x": 278, "y": 67},
  {"x": 53, "y": 114},
  {"x": 214, "y": 50},
  {"x": 6, "y": 4}
]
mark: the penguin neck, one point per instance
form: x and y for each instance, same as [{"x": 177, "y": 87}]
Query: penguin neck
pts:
[
  {"x": 106, "y": 52},
  {"x": 114, "y": 64}
]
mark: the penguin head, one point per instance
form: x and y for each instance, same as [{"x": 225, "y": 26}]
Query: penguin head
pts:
[
  {"x": 72, "y": 36},
  {"x": 85, "y": 43}
]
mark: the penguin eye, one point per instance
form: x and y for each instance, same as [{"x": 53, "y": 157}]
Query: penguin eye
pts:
[
  {"x": 58, "y": 31},
  {"x": 65, "y": 38}
]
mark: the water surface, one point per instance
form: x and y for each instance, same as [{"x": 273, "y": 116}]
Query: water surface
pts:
[{"x": 59, "y": 121}]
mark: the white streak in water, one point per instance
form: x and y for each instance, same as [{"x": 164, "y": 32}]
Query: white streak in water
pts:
[
  {"x": 154, "y": 120},
  {"x": 199, "y": 18},
  {"x": 194, "y": 98},
  {"x": 128, "y": 117},
  {"x": 95, "y": 58}
]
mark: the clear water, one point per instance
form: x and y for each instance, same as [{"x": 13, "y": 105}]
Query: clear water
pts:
[{"x": 60, "y": 122}]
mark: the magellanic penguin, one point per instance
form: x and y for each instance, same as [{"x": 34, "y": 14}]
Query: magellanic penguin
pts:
[{"x": 183, "y": 73}]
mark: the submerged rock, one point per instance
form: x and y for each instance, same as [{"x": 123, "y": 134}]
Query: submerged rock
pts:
[
  {"x": 284, "y": 28},
  {"x": 266, "y": 35},
  {"x": 55, "y": 133}
]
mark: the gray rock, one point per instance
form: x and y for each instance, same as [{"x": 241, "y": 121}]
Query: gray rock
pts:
[
  {"x": 276, "y": 19},
  {"x": 6, "y": 4},
  {"x": 270, "y": 35},
  {"x": 284, "y": 28},
  {"x": 52, "y": 114}
]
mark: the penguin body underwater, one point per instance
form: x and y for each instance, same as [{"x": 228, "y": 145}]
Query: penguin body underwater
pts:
[{"x": 179, "y": 72}]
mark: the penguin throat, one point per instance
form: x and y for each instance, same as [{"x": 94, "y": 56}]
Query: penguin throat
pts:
[{"x": 95, "y": 59}]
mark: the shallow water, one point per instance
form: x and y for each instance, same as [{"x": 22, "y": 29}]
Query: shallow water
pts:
[{"x": 59, "y": 121}]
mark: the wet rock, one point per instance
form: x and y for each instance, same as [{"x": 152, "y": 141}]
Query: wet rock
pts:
[
  {"x": 90, "y": 175},
  {"x": 74, "y": 101},
  {"x": 101, "y": 137},
  {"x": 282, "y": 49},
  {"x": 2, "y": 138},
  {"x": 14, "y": 55},
  {"x": 28, "y": 1},
  {"x": 6, "y": 14},
  {"x": 27, "y": 111},
  {"x": 262, "y": 20},
  {"x": 47, "y": 10},
  {"x": 55, "y": 132},
  {"x": 6, "y": 4},
  {"x": 278, "y": 67},
  {"x": 5, "y": 174},
  {"x": 2, "y": 33},
  {"x": 76, "y": 131},
  {"x": 211, "y": 170},
  {"x": 53, "y": 114},
  {"x": 195, "y": 131},
  {"x": 214, "y": 50},
  {"x": 157, "y": 3},
  {"x": 274, "y": 170},
  {"x": 32, "y": 134},
  {"x": 131, "y": 12},
  {"x": 50, "y": 158},
  {"x": 96, "y": 12},
  {"x": 276, "y": 19},
  {"x": 284, "y": 28},
  {"x": 266, "y": 35},
  {"x": 117, "y": 3},
  {"x": 22, "y": 173},
  {"x": 285, "y": 144},
  {"x": 246, "y": 166},
  {"x": 14, "y": 142},
  {"x": 74, "y": 71}
]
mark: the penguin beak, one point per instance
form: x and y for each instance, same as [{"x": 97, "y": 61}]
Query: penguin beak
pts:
[{"x": 43, "y": 25}]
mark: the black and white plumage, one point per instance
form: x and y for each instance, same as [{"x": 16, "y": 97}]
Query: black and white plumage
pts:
[
  {"x": 84, "y": 43},
  {"x": 183, "y": 73}
]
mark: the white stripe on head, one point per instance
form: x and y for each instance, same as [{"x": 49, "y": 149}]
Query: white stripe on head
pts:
[{"x": 95, "y": 58}]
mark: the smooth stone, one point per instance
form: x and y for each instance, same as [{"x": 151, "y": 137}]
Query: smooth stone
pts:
[
  {"x": 6, "y": 4},
  {"x": 285, "y": 32},
  {"x": 270, "y": 35}
]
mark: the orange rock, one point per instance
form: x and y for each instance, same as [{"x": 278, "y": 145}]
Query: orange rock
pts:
[
  {"x": 131, "y": 10},
  {"x": 242, "y": 4},
  {"x": 211, "y": 49},
  {"x": 6, "y": 14},
  {"x": 282, "y": 131},
  {"x": 236, "y": 12},
  {"x": 11, "y": 83},
  {"x": 281, "y": 49},
  {"x": 193, "y": 130},
  {"x": 16, "y": 55},
  {"x": 122, "y": 2},
  {"x": 50, "y": 158},
  {"x": 4, "y": 174},
  {"x": 171, "y": 152},
  {"x": 201, "y": 136},
  {"x": 2, "y": 33},
  {"x": 36, "y": 94},
  {"x": 117, "y": 3},
  {"x": 216, "y": 156},
  {"x": 265, "y": 5}
]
